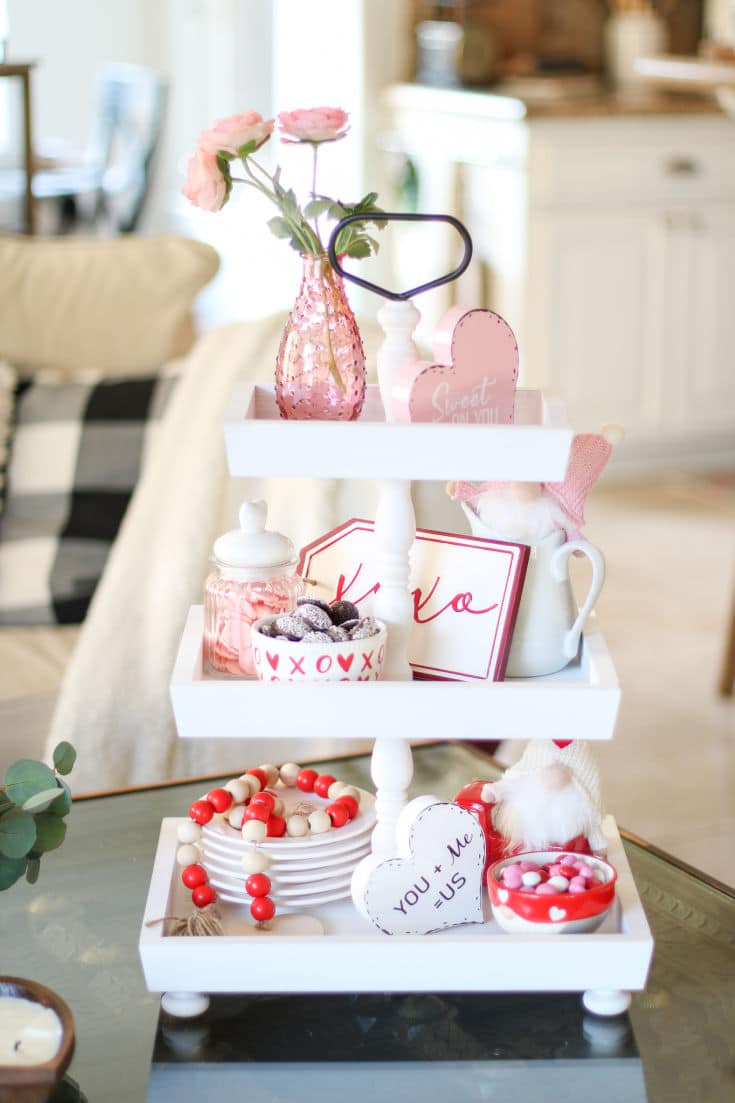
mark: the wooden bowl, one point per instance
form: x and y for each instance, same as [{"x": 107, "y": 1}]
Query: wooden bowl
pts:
[{"x": 35, "y": 1083}]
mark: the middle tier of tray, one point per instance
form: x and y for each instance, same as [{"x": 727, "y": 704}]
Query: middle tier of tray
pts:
[{"x": 579, "y": 702}]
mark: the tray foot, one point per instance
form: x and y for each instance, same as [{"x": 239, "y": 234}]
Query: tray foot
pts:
[
  {"x": 606, "y": 1002},
  {"x": 184, "y": 1005}
]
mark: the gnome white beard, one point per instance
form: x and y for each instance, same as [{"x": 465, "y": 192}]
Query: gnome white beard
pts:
[
  {"x": 530, "y": 815},
  {"x": 508, "y": 517}
]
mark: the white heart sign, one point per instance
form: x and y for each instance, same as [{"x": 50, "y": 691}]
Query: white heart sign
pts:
[{"x": 435, "y": 882}]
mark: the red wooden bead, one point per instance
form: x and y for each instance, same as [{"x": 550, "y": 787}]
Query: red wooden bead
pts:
[
  {"x": 201, "y": 811},
  {"x": 338, "y": 814},
  {"x": 305, "y": 780},
  {"x": 258, "y": 884},
  {"x": 220, "y": 799},
  {"x": 257, "y": 812},
  {"x": 263, "y": 800},
  {"x": 203, "y": 895},
  {"x": 260, "y": 775},
  {"x": 350, "y": 804},
  {"x": 322, "y": 783},
  {"x": 262, "y": 908},
  {"x": 276, "y": 827},
  {"x": 194, "y": 876}
]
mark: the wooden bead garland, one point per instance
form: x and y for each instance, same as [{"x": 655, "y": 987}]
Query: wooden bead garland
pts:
[{"x": 250, "y": 807}]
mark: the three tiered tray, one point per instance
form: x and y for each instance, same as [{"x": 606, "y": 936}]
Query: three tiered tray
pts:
[{"x": 580, "y": 702}]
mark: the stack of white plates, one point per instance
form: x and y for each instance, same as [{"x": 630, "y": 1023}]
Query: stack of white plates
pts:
[{"x": 304, "y": 872}]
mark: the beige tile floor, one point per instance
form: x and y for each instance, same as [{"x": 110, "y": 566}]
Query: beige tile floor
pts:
[{"x": 669, "y": 774}]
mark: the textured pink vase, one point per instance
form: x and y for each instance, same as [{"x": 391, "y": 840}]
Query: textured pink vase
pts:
[{"x": 320, "y": 368}]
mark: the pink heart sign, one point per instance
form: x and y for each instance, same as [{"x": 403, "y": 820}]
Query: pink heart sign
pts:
[{"x": 473, "y": 378}]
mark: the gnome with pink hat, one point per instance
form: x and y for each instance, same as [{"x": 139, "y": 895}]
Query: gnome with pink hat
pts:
[{"x": 527, "y": 513}]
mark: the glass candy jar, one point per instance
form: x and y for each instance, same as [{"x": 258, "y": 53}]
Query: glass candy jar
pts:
[{"x": 253, "y": 576}]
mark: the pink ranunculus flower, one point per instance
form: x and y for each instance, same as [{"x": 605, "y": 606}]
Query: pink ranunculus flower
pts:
[
  {"x": 233, "y": 133},
  {"x": 315, "y": 124},
  {"x": 205, "y": 185}
]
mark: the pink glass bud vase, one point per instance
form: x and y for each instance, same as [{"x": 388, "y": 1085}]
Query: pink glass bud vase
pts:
[{"x": 320, "y": 368}]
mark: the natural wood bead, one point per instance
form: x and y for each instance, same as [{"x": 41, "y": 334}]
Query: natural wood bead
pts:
[
  {"x": 252, "y": 783},
  {"x": 235, "y": 816},
  {"x": 254, "y": 831},
  {"x": 319, "y": 822},
  {"x": 351, "y": 791},
  {"x": 336, "y": 789},
  {"x": 187, "y": 855},
  {"x": 296, "y": 826},
  {"x": 289, "y": 773},
  {"x": 278, "y": 807},
  {"x": 239, "y": 789},
  {"x": 255, "y": 861},
  {"x": 188, "y": 832},
  {"x": 271, "y": 772}
]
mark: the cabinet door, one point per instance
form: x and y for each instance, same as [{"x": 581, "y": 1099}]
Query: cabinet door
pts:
[
  {"x": 598, "y": 287},
  {"x": 707, "y": 388}
]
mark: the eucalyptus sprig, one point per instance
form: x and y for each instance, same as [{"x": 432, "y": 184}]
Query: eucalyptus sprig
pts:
[{"x": 33, "y": 803}]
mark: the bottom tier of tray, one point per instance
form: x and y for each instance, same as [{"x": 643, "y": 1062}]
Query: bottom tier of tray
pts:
[{"x": 339, "y": 951}]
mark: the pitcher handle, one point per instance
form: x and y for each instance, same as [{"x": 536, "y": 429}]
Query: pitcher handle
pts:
[{"x": 559, "y": 567}]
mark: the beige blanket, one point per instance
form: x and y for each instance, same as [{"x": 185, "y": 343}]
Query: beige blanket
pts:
[{"x": 114, "y": 704}]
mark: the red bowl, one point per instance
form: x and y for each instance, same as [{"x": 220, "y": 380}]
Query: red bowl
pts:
[{"x": 573, "y": 913}]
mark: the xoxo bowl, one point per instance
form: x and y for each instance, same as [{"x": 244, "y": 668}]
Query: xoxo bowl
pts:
[
  {"x": 517, "y": 911},
  {"x": 281, "y": 660}
]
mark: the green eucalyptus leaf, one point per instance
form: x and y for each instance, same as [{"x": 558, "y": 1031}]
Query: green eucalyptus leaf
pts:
[
  {"x": 279, "y": 226},
  {"x": 50, "y": 832},
  {"x": 41, "y": 801},
  {"x": 11, "y": 870},
  {"x": 17, "y": 834},
  {"x": 64, "y": 757},
  {"x": 32, "y": 870},
  {"x": 25, "y": 778},
  {"x": 316, "y": 207},
  {"x": 5, "y": 802},
  {"x": 62, "y": 804}
]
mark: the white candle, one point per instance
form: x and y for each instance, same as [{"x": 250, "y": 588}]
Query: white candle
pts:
[{"x": 29, "y": 1032}]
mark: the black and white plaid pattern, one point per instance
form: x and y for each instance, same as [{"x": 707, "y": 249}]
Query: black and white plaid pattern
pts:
[{"x": 76, "y": 454}]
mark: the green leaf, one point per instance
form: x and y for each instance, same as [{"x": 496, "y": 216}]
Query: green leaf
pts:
[
  {"x": 11, "y": 870},
  {"x": 50, "y": 832},
  {"x": 337, "y": 211},
  {"x": 223, "y": 164},
  {"x": 279, "y": 226},
  {"x": 25, "y": 778},
  {"x": 244, "y": 151},
  {"x": 62, "y": 804},
  {"x": 17, "y": 834},
  {"x": 359, "y": 249},
  {"x": 64, "y": 757},
  {"x": 41, "y": 801},
  {"x": 32, "y": 870},
  {"x": 316, "y": 207}
]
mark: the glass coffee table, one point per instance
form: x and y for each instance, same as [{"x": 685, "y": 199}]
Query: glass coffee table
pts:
[{"x": 77, "y": 932}]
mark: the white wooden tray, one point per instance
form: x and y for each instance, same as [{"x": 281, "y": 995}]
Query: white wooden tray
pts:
[
  {"x": 580, "y": 702},
  {"x": 259, "y": 442},
  {"x": 352, "y": 956}
]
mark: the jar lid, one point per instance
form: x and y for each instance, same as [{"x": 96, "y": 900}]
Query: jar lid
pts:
[{"x": 252, "y": 545}]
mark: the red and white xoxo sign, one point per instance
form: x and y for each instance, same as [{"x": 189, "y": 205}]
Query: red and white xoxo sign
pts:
[{"x": 465, "y": 593}]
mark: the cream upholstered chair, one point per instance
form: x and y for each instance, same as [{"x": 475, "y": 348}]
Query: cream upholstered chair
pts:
[{"x": 69, "y": 307}]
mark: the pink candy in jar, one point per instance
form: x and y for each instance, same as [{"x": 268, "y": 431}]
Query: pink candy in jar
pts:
[{"x": 253, "y": 576}]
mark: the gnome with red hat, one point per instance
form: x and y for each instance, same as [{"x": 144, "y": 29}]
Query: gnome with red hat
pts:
[{"x": 549, "y": 800}]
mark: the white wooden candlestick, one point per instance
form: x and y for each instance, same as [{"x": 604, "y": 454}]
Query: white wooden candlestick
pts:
[
  {"x": 395, "y": 532},
  {"x": 398, "y": 320}
]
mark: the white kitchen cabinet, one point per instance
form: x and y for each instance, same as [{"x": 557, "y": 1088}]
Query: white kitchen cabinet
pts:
[{"x": 607, "y": 241}]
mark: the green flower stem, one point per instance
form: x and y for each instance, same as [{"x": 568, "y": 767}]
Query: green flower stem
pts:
[{"x": 333, "y": 369}]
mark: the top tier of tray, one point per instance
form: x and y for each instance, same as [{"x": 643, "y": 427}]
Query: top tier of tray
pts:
[{"x": 535, "y": 448}]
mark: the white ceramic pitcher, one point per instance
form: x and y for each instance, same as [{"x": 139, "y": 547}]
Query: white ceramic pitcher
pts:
[{"x": 549, "y": 624}]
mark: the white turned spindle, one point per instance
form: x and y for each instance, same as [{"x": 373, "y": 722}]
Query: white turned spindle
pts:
[
  {"x": 395, "y": 532},
  {"x": 398, "y": 320},
  {"x": 391, "y": 768}
]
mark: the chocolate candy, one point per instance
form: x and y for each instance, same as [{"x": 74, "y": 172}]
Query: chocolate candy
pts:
[
  {"x": 344, "y": 610},
  {"x": 315, "y": 616},
  {"x": 364, "y": 628},
  {"x": 319, "y": 604},
  {"x": 316, "y": 637},
  {"x": 338, "y": 634}
]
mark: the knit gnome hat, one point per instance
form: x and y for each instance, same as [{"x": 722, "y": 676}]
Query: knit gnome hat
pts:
[{"x": 588, "y": 459}]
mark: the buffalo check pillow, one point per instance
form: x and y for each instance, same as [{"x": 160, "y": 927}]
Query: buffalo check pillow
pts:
[{"x": 76, "y": 453}]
